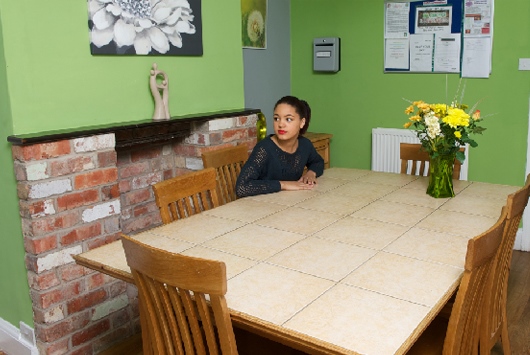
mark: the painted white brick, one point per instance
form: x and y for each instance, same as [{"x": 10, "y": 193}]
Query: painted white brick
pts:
[
  {"x": 106, "y": 308},
  {"x": 36, "y": 171},
  {"x": 61, "y": 257},
  {"x": 90, "y": 144},
  {"x": 54, "y": 315},
  {"x": 49, "y": 209},
  {"x": 194, "y": 163},
  {"x": 222, "y": 123},
  {"x": 101, "y": 211},
  {"x": 167, "y": 149},
  {"x": 250, "y": 122},
  {"x": 50, "y": 188},
  {"x": 194, "y": 139}
]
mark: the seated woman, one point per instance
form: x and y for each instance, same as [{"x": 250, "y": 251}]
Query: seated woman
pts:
[{"x": 278, "y": 161}]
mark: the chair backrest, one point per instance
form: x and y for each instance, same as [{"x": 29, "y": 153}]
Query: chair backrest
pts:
[
  {"x": 227, "y": 163},
  {"x": 462, "y": 337},
  {"x": 494, "y": 322},
  {"x": 418, "y": 158},
  {"x": 186, "y": 195},
  {"x": 173, "y": 289}
]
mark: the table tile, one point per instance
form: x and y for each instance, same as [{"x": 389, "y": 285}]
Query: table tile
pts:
[
  {"x": 286, "y": 198},
  {"x": 245, "y": 210},
  {"x": 422, "y": 182},
  {"x": 335, "y": 203},
  {"x": 111, "y": 255},
  {"x": 457, "y": 223},
  {"x": 161, "y": 242},
  {"x": 186, "y": 229},
  {"x": 363, "y": 190},
  {"x": 345, "y": 173},
  {"x": 477, "y": 205},
  {"x": 360, "y": 320},
  {"x": 273, "y": 293},
  {"x": 415, "y": 197},
  {"x": 254, "y": 242},
  {"x": 325, "y": 183},
  {"x": 489, "y": 190},
  {"x": 234, "y": 264},
  {"x": 299, "y": 220},
  {"x": 392, "y": 212},
  {"x": 419, "y": 281},
  {"x": 363, "y": 232},
  {"x": 387, "y": 178},
  {"x": 319, "y": 257},
  {"x": 431, "y": 246}
]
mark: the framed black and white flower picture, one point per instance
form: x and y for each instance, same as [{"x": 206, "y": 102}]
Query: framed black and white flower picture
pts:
[{"x": 145, "y": 27}]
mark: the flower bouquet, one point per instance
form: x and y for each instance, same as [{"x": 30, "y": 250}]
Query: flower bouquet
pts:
[{"x": 442, "y": 130}]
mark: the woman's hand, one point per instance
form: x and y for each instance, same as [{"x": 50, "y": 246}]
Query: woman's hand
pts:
[
  {"x": 295, "y": 185},
  {"x": 310, "y": 177}
]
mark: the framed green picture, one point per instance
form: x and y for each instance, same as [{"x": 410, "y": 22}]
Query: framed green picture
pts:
[{"x": 254, "y": 23}]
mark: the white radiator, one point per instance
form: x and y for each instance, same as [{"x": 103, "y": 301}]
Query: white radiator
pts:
[{"x": 385, "y": 149}]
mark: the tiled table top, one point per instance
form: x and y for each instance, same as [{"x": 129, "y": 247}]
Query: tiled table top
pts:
[{"x": 358, "y": 265}]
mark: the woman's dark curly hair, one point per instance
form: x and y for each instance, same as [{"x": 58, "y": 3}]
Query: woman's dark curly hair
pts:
[{"x": 300, "y": 106}]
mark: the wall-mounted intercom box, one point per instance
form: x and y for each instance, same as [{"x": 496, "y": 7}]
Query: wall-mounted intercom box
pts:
[{"x": 326, "y": 54}]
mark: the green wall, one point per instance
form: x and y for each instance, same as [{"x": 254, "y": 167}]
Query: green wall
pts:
[
  {"x": 350, "y": 103},
  {"x": 49, "y": 80}
]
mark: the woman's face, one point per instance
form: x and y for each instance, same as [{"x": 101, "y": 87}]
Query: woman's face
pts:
[{"x": 287, "y": 123}]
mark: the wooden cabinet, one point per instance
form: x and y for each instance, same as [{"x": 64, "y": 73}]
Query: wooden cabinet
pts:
[{"x": 321, "y": 143}]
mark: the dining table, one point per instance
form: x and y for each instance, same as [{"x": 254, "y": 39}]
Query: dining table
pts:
[{"x": 360, "y": 264}]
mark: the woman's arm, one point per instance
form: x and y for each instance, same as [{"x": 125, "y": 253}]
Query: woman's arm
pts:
[{"x": 249, "y": 181}]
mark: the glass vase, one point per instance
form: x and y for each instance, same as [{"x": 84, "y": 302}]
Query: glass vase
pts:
[{"x": 441, "y": 176}]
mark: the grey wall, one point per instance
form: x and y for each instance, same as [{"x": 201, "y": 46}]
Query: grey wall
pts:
[{"x": 267, "y": 71}]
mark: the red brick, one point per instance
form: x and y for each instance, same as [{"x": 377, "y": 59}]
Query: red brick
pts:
[
  {"x": 216, "y": 138},
  {"x": 70, "y": 165},
  {"x": 77, "y": 199},
  {"x": 124, "y": 158},
  {"x": 146, "y": 154},
  {"x": 59, "y": 347},
  {"x": 42, "y": 281},
  {"x": 58, "y": 295},
  {"x": 90, "y": 332},
  {"x": 234, "y": 135},
  {"x": 137, "y": 196},
  {"x": 41, "y": 245},
  {"x": 31, "y": 209},
  {"x": 108, "y": 158},
  {"x": 71, "y": 272},
  {"x": 186, "y": 150},
  {"x": 83, "y": 350},
  {"x": 53, "y": 223},
  {"x": 95, "y": 178},
  {"x": 20, "y": 171},
  {"x": 168, "y": 174},
  {"x": 120, "y": 318},
  {"x": 125, "y": 185},
  {"x": 110, "y": 192},
  {"x": 117, "y": 288},
  {"x": 140, "y": 223},
  {"x": 146, "y": 180},
  {"x": 96, "y": 280},
  {"x": 82, "y": 233},
  {"x": 85, "y": 301},
  {"x": 97, "y": 242},
  {"x": 140, "y": 210},
  {"x": 41, "y": 151},
  {"x": 58, "y": 330},
  {"x": 134, "y": 170}
]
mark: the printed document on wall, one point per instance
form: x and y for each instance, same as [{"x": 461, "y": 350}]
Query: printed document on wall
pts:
[
  {"x": 421, "y": 52},
  {"x": 478, "y": 38},
  {"x": 447, "y": 53}
]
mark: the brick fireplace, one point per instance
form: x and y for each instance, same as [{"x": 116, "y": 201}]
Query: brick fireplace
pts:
[{"x": 79, "y": 190}]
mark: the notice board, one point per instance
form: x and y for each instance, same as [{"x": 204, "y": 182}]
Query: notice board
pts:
[{"x": 441, "y": 36}]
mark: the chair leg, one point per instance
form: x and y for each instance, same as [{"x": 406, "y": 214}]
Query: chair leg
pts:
[{"x": 505, "y": 339}]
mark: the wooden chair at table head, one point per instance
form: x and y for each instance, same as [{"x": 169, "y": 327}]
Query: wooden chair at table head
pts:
[
  {"x": 494, "y": 325},
  {"x": 227, "y": 163},
  {"x": 460, "y": 336},
  {"x": 175, "y": 315},
  {"x": 186, "y": 195},
  {"x": 412, "y": 152}
]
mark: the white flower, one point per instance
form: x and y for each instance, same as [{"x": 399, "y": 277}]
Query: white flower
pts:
[
  {"x": 145, "y": 24},
  {"x": 433, "y": 125},
  {"x": 255, "y": 25}
]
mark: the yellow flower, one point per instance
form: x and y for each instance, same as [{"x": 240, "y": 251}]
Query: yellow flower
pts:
[
  {"x": 415, "y": 118},
  {"x": 456, "y": 118},
  {"x": 409, "y": 109},
  {"x": 407, "y": 125},
  {"x": 458, "y": 134}
]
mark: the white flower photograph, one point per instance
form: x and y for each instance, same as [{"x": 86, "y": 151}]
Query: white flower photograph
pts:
[
  {"x": 145, "y": 27},
  {"x": 253, "y": 23}
]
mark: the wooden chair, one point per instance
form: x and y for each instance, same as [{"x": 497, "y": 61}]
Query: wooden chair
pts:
[
  {"x": 494, "y": 325},
  {"x": 460, "y": 335},
  {"x": 412, "y": 152},
  {"x": 227, "y": 163},
  {"x": 186, "y": 195},
  {"x": 178, "y": 295}
]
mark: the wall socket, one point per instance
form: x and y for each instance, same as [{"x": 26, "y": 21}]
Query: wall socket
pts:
[
  {"x": 27, "y": 334},
  {"x": 524, "y": 63}
]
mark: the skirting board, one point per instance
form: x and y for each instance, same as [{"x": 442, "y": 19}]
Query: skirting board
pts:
[{"x": 15, "y": 342}]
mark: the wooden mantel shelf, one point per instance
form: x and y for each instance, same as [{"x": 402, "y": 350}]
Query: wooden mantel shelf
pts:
[{"x": 132, "y": 133}]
